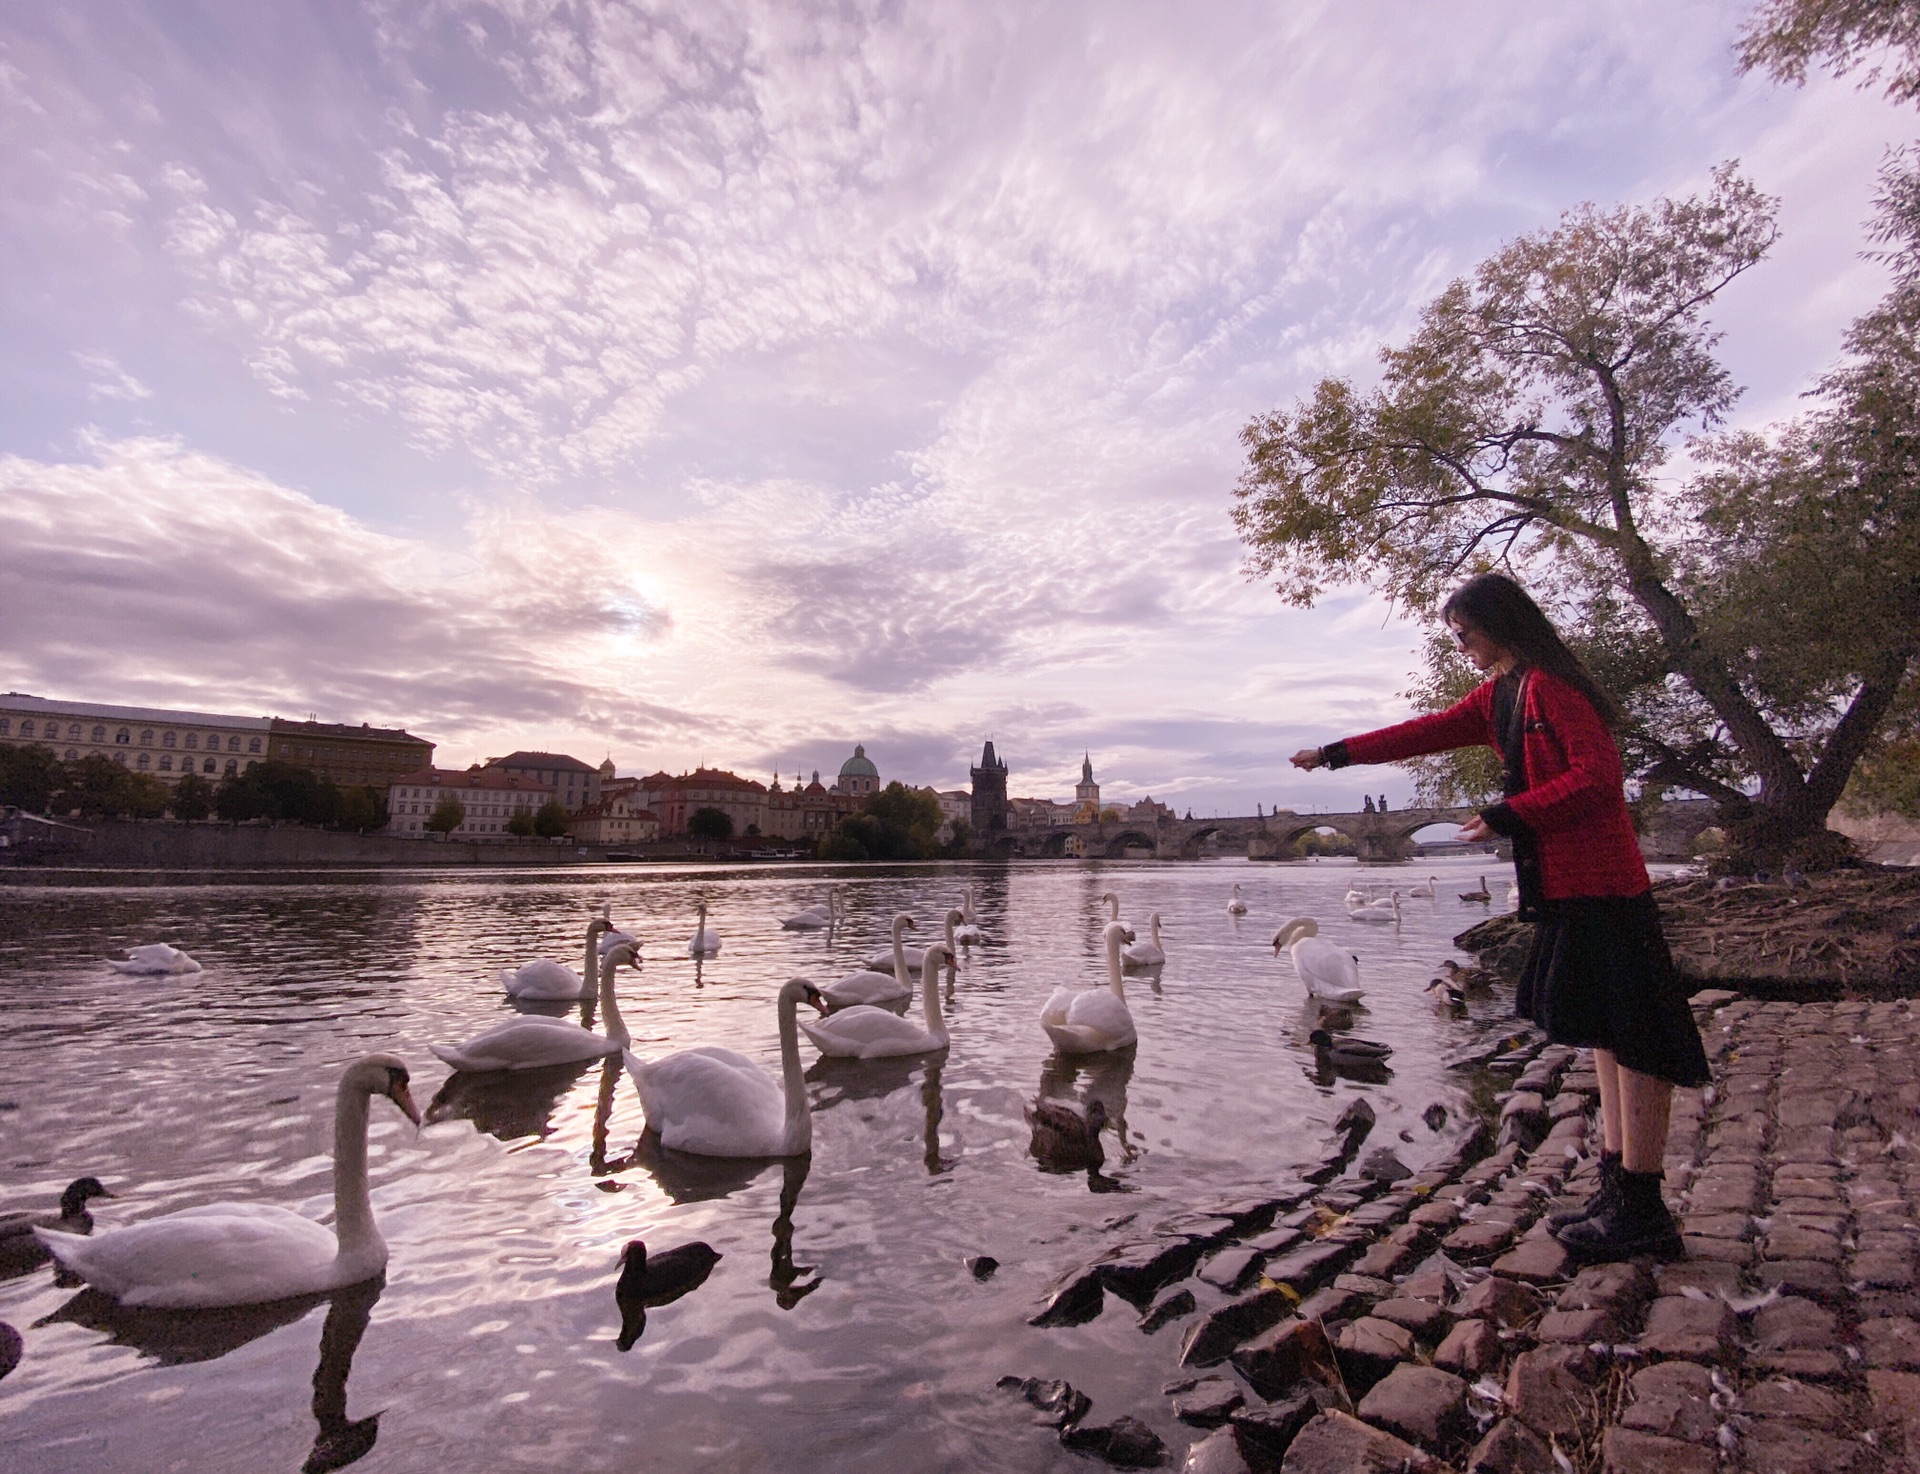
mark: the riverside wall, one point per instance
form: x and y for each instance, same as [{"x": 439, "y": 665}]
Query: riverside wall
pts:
[{"x": 170, "y": 845}]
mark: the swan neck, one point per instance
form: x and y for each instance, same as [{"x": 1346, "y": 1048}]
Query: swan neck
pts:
[
  {"x": 352, "y": 1207},
  {"x": 1113, "y": 965},
  {"x": 610, "y": 1019},
  {"x": 899, "y": 959},
  {"x": 595, "y": 930},
  {"x": 799, "y": 1125},
  {"x": 930, "y": 999}
]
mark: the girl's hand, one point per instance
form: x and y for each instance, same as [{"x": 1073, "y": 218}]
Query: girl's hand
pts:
[
  {"x": 1475, "y": 830},
  {"x": 1309, "y": 758}
]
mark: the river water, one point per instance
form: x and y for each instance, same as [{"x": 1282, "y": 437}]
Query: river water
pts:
[{"x": 839, "y": 1331}]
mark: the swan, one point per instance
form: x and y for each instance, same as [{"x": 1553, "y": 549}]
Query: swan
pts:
[
  {"x": 877, "y": 1033},
  {"x": 532, "y": 1042},
  {"x": 21, "y": 1251},
  {"x": 250, "y": 1253},
  {"x": 1236, "y": 906},
  {"x": 1383, "y": 910},
  {"x": 549, "y": 980},
  {"x": 705, "y": 941},
  {"x": 968, "y": 934},
  {"x": 1092, "y": 1019},
  {"x": 1482, "y": 895},
  {"x": 1331, "y": 975},
  {"x": 154, "y": 960},
  {"x": 1347, "y": 1050},
  {"x": 716, "y": 1103},
  {"x": 914, "y": 956},
  {"x": 872, "y": 984},
  {"x": 1148, "y": 953},
  {"x": 1425, "y": 892},
  {"x": 813, "y": 918}
]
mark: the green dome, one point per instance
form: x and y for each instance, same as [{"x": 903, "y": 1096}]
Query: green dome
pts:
[{"x": 859, "y": 765}]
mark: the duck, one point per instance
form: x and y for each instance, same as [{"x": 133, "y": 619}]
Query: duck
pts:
[
  {"x": 228, "y": 1254},
  {"x": 1347, "y": 1050},
  {"x": 875, "y": 984},
  {"x": 1385, "y": 910},
  {"x": 1330, "y": 974},
  {"x": 1446, "y": 991},
  {"x": 1148, "y": 953},
  {"x": 541, "y": 979},
  {"x": 20, "y": 1250},
  {"x": 716, "y": 1103},
  {"x": 1092, "y": 1020},
  {"x": 1483, "y": 895},
  {"x": 868, "y": 1032},
  {"x": 1425, "y": 891},
  {"x": 531, "y": 1042},
  {"x": 705, "y": 941},
  {"x": 1236, "y": 906},
  {"x": 155, "y": 959},
  {"x": 1066, "y": 1134},
  {"x": 647, "y": 1281}
]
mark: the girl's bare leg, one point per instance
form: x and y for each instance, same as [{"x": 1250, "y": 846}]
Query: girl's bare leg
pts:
[{"x": 1610, "y": 1121}]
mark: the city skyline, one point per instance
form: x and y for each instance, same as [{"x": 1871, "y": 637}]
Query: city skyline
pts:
[{"x": 738, "y": 384}]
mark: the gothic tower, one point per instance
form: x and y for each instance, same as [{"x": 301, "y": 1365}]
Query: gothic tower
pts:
[
  {"x": 989, "y": 796},
  {"x": 1086, "y": 793}
]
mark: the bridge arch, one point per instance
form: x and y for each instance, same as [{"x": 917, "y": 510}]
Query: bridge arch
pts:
[{"x": 1126, "y": 839}]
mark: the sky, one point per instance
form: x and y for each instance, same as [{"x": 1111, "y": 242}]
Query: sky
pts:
[{"x": 728, "y": 383}]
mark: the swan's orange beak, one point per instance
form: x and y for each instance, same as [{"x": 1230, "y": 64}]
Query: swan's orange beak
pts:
[{"x": 402, "y": 1097}]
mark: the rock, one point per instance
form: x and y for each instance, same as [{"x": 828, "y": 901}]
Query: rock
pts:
[
  {"x": 1668, "y": 1413},
  {"x": 1797, "y": 1403},
  {"x": 1060, "y": 1402},
  {"x": 1471, "y": 1347},
  {"x": 1208, "y": 1341},
  {"x": 1673, "y": 1379},
  {"x": 1582, "y": 1327},
  {"x": 1126, "y": 1442},
  {"x": 1524, "y": 1119},
  {"x": 1697, "y": 1274},
  {"x": 1370, "y": 1349},
  {"x": 1788, "y": 1448},
  {"x": 1137, "y": 1272},
  {"x": 1511, "y": 1447},
  {"x": 1891, "y": 1344},
  {"x": 1293, "y": 1353},
  {"x": 1435, "y": 1116},
  {"x": 1387, "y": 1258},
  {"x": 1437, "y": 1216},
  {"x": 1690, "y": 1330},
  {"x": 1896, "y": 1404},
  {"x": 1481, "y": 1239},
  {"x": 1311, "y": 1265},
  {"x": 1171, "y": 1305},
  {"x": 1427, "y": 1321},
  {"x": 1794, "y": 1324},
  {"x": 981, "y": 1266},
  {"x": 1217, "y": 1453},
  {"x": 1334, "y": 1443},
  {"x": 1547, "y": 1387},
  {"x": 1267, "y": 1432},
  {"x": 1538, "y": 1260},
  {"x": 1421, "y": 1404},
  {"x": 1803, "y": 1243},
  {"x": 1502, "y": 1301},
  {"x": 1076, "y": 1302},
  {"x": 1355, "y": 1122},
  {"x": 1625, "y": 1451},
  {"x": 1232, "y": 1269},
  {"x": 1382, "y": 1165},
  {"x": 1621, "y": 1288},
  {"x": 1208, "y": 1403}
]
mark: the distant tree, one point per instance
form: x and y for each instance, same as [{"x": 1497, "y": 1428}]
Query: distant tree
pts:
[
  {"x": 1109, "y": 815},
  {"x": 192, "y": 797},
  {"x": 448, "y": 815},
  {"x": 100, "y": 788},
  {"x": 1313, "y": 842},
  {"x": 281, "y": 792},
  {"x": 550, "y": 819},
  {"x": 1468, "y": 777},
  {"x": 752, "y": 831},
  {"x": 840, "y": 845},
  {"x": 522, "y": 823},
  {"x": 1785, "y": 37},
  {"x": 960, "y": 839},
  {"x": 362, "y": 807},
  {"x": 710, "y": 823},
  {"x": 28, "y": 776}
]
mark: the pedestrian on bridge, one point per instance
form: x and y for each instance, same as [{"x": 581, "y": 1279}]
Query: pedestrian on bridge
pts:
[{"x": 1599, "y": 974}]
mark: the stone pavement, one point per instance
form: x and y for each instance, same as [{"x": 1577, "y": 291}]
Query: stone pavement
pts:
[{"x": 1429, "y": 1322}]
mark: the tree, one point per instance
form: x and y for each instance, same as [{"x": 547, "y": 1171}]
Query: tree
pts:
[
  {"x": 28, "y": 776},
  {"x": 100, "y": 788},
  {"x": 710, "y": 823},
  {"x": 362, "y": 807},
  {"x": 521, "y": 823},
  {"x": 192, "y": 797},
  {"x": 1785, "y": 37},
  {"x": 1526, "y": 423},
  {"x": 448, "y": 815},
  {"x": 280, "y": 792},
  {"x": 550, "y": 819}
]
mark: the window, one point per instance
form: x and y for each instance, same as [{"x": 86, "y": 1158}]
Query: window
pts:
[
  {"x": 146, "y": 736},
  {"x": 167, "y": 741},
  {"x": 233, "y": 744},
  {"x": 146, "y": 759},
  {"x": 99, "y": 734},
  {"x": 253, "y": 744},
  {"x": 166, "y": 762},
  {"x": 231, "y": 766},
  {"x": 122, "y": 737},
  {"x": 71, "y": 754},
  {"x": 26, "y": 727},
  {"x": 193, "y": 739},
  {"x": 207, "y": 767},
  {"x": 120, "y": 758},
  {"x": 6, "y": 726}
]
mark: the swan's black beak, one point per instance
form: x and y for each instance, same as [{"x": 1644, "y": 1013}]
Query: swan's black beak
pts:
[
  {"x": 402, "y": 1097},
  {"x": 817, "y": 999}
]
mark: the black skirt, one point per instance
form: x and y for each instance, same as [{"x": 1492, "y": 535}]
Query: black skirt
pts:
[{"x": 1600, "y": 977}]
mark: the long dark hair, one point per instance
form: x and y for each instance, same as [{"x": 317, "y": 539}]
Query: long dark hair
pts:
[{"x": 1502, "y": 611}]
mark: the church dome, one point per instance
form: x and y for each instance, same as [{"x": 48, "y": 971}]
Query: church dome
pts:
[{"x": 859, "y": 765}]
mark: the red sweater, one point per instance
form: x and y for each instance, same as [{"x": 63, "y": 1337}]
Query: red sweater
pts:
[{"x": 1574, "y": 802}]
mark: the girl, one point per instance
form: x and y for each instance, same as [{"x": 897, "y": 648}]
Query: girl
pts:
[{"x": 1599, "y": 975}]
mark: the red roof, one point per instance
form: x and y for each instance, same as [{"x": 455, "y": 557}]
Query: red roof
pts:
[{"x": 481, "y": 778}]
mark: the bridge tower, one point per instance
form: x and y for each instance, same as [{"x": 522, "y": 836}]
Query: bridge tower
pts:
[{"x": 989, "y": 796}]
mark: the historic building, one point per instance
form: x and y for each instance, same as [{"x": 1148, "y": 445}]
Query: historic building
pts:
[
  {"x": 806, "y": 810},
  {"x": 1086, "y": 793},
  {"x": 859, "y": 778},
  {"x": 615, "y": 820},
  {"x": 147, "y": 739},
  {"x": 573, "y": 782},
  {"x": 488, "y": 797},
  {"x": 989, "y": 795},
  {"x": 374, "y": 756},
  {"x": 675, "y": 799}
]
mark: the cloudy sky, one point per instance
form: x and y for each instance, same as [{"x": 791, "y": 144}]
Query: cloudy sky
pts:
[{"x": 731, "y": 382}]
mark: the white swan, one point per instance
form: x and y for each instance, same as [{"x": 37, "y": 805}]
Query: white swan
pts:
[
  {"x": 549, "y": 980},
  {"x": 1148, "y": 953},
  {"x": 814, "y": 918},
  {"x": 1330, "y": 974},
  {"x": 969, "y": 933},
  {"x": 914, "y": 956},
  {"x": 1425, "y": 892},
  {"x": 1090, "y": 1020},
  {"x": 250, "y": 1253},
  {"x": 154, "y": 959},
  {"x": 1236, "y": 906},
  {"x": 1387, "y": 910},
  {"x": 705, "y": 941},
  {"x": 532, "y": 1042},
  {"x": 877, "y": 1033},
  {"x": 716, "y": 1103},
  {"x": 872, "y": 985}
]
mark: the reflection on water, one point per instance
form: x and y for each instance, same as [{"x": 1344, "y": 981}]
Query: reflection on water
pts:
[{"x": 877, "y": 1349}]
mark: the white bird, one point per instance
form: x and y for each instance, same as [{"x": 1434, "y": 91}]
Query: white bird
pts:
[
  {"x": 1331, "y": 975},
  {"x": 549, "y": 980},
  {"x": 914, "y": 956},
  {"x": 877, "y": 1033},
  {"x": 1236, "y": 906},
  {"x": 872, "y": 985},
  {"x": 706, "y": 941},
  {"x": 716, "y": 1103},
  {"x": 969, "y": 933},
  {"x": 1148, "y": 953},
  {"x": 531, "y": 1042},
  {"x": 814, "y": 918},
  {"x": 251, "y": 1253},
  {"x": 154, "y": 959},
  {"x": 1425, "y": 892},
  {"x": 1387, "y": 910},
  {"x": 614, "y": 937},
  {"x": 1090, "y": 1020}
]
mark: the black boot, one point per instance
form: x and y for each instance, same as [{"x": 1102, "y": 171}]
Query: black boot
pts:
[
  {"x": 1600, "y": 1198},
  {"x": 1637, "y": 1223}
]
